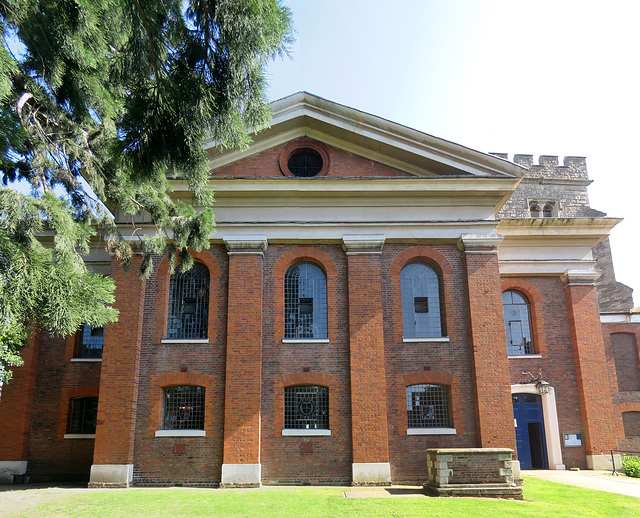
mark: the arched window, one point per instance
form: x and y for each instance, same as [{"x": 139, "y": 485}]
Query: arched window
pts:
[
  {"x": 305, "y": 301},
  {"x": 306, "y": 407},
  {"x": 534, "y": 210},
  {"x": 183, "y": 408},
  {"x": 548, "y": 210},
  {"x": 428, "y": 406},
  {"x": 189, "y": 303},
  {"x": 421, "y": 301},
  {"x": 517, "y": 323}
]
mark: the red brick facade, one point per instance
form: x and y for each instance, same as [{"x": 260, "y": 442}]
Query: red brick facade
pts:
[{"x": 246, "y": 363}]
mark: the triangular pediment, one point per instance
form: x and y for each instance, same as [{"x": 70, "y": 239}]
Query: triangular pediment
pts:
[{"x": 393, "y": 148}]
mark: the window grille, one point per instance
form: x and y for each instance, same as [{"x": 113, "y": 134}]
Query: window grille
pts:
[
  {"x": 422, "y": 308},
  {"x": 183, "y": 408},
  {"x": 306, "y": 407},
  {"x": 84, "y": 415},
  {"x": 305, "y": 301},
  {"x": 428, "y": 406},
  {"x": 517, "y": 323},
  {"x": 90, "y": 342},
  {"x": 189, "y": 303}
]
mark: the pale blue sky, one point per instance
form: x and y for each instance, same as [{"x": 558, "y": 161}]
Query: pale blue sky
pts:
[{"x": 544, "y": 78}]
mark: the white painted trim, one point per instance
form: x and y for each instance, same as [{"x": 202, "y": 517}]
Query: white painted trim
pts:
[
  {"x": 311, "y": 432},
  {"x": 181, "y": 433},
  {"x": 523, "y": 356},
  {"x": 86, "y": 360},
  {"x": 184, "y": 341},
  {"x": 425, "y": 340},
  {"x": 79, "y": 435},
  {"x": 431, "y": 431},
  {"x": 620, "y": 318},
  {"x": 551, "y": 426},
  {"x": 305, "y": 340}
]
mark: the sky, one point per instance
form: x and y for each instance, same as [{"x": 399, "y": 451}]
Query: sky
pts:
[{"x": 537, "y": 77}]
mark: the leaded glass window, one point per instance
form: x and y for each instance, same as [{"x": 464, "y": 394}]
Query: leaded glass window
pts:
[
  {"x": 517, "y": 323},
  {"x": 428, "y": 406},
  {"x": 306, "y": 407},
  {"x": 89, "y": 342},
  {"x": 421, "y": 301},
  {"x": 84, "y": 415},
  {"x": 305, "y": 301},
  {"x": 183, "y": 408},
  {"x": 189, "y": 303}
]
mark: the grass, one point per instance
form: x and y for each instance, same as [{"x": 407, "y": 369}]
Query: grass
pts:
[{"x": 542, "y": 499}]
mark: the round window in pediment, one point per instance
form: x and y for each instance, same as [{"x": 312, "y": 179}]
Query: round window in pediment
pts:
[
  {"x": 304, "y": 158},
  {"x": 305, "y": 163}
]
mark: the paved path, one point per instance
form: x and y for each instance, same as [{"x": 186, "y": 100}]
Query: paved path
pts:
[{"x": 598, "y": 480}]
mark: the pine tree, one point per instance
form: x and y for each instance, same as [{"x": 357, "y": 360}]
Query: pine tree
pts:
[{"x": 102, "y": 101}]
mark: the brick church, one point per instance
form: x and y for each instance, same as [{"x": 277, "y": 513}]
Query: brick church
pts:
[{"x": 371, "y": 291}]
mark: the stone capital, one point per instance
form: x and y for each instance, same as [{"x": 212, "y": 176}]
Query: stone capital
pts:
[
  {"x": 251, "y": 242},
  {"x": 363, "y": 243}
]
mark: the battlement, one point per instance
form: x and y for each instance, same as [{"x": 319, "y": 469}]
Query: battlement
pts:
[{"x": 573, "y": 167}]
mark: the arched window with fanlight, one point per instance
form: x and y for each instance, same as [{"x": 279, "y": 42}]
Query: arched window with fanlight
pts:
[
  {"x": 189, "y": 303},
  {"x": 421, "y": 294},
  {"x": 305, "y": 301},
  {"x": 517, "y": 323}
]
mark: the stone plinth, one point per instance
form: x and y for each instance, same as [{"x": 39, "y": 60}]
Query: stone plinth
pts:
[{"x": 485, "y": 472}]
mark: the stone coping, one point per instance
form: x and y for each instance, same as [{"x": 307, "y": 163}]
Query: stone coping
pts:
[{"x": 469, "y": 450}]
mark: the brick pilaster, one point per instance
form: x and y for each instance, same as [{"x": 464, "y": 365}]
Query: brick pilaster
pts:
[
  {"x": 591, "y": 363},
  {"x": 15, "y": 409},
  {"x": 241, "y": 464},
  {"x": 117, "y": 405},
  {"x": 366, "y": 346},
  {"x": 489, "y": 343}
]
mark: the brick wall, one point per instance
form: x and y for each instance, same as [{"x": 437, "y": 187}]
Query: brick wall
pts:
[{"x": 188, "y": 461}]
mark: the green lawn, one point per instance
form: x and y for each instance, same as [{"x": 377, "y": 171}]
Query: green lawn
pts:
[{"x": 542, "y": 499}]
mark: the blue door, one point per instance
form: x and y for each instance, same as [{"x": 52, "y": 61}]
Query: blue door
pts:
[{"x": 530, "y": 438}]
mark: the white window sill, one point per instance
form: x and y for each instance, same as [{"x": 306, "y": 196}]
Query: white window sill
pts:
[
  {"x": 305, "y": 432},
  {"x": 79, "y": 435},
  {"x": 525, "y": 356},
  {"x": 184, "y": 341},
  {"x": 305, "y": 340},
  {"x": 426, "y": 340},
  {"x": 431, "y": 431},
  {"x": 86, "y": 360},
  {"x": 181, "y": 433}
]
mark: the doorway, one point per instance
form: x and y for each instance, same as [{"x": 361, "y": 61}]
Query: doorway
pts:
[{"x": 530, "y": 435}]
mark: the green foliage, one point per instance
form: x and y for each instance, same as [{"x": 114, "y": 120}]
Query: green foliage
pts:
[
  {"x": 101, "y": 102},
  {"x": 12, "y": 338},
  {"x": 631, "y": 465},
  {"x": 118, "y": 92}
]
